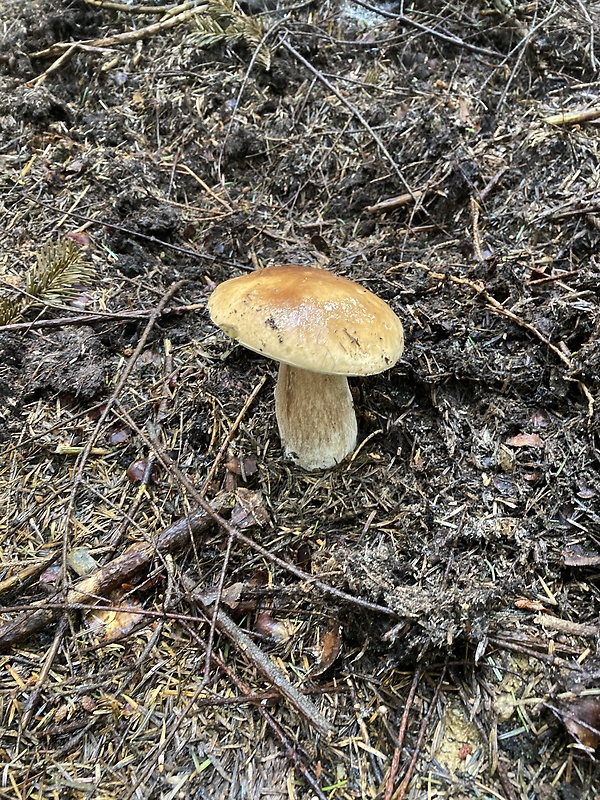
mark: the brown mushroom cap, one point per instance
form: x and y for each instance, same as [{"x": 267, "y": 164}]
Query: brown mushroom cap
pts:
[{"x": 309, "y": 318}]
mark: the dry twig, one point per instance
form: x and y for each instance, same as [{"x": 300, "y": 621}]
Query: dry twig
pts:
[
  {"x": 573, "y": 117},
  {"x": 396, "y": 202},
  {"x": 391, "y": 779},
  {"x": 566, "y": 626},
  {"x": 103, "y": 580},
  {"x": 170, "y": 465},
  {"x": 497, "y": 308},
  {"x": 267, "y": 667},
  {"x": 231, "y": 432},
  {"x": 129, "y": 9},
  {"x": 180, "y": 14},
  {"x": 435, "y": 32},
  {"x": 353, "y": 110},
  {"x": 101, "y": 316}
]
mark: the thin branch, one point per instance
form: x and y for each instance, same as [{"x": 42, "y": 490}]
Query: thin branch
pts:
[
  {"x": 129, "y": 36},
  {"x": 267, "y": 667},
  {"x": 573, "y": 117},
  {"x": 401, "y": 791},
  {"x": 150, "y": 461},
  {"x": 101, "y": 316},
  {"x": 513, "y": 73},
  {"x": 498, "y": 308},
  {"x": 44, "y": 672},
  {"x": 445, "y": 37},
  {"x": 171, "y": 467},
  {"x": 232, "y": 431},
  {"x": 129, "y": 9},
  {"x": 112, "y": 226},
  {"x": 27, "y": 574},
  {"x": 103, "y": 580},
  {"x": 354, "y": 111},
  {"x": 396, "y": 202},
  {"x": 289, "y": 749},
  {"x": 389, "y": 788}
]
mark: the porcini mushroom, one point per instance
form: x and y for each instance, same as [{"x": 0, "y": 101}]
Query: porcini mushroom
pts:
[{"x": 321, "y": 328}]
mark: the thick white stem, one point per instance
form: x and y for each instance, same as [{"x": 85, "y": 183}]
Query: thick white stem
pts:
[{"x": 316, "y": 418}]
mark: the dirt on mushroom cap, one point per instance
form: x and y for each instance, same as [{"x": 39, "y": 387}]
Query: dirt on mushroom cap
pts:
[{"x": 310, "y": 318}]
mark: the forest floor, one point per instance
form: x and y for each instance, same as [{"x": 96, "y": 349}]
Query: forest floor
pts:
[{"x": 421, "y": 621}]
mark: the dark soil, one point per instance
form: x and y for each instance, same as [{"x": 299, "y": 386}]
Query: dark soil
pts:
[{"x": 470, "y": 509}]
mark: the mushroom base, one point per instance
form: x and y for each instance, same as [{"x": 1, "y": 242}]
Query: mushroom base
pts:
[{"x": 316, "y": 418}]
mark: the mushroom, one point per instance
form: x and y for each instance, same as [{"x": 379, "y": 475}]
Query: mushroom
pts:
[{"x": 321, "y": 328}]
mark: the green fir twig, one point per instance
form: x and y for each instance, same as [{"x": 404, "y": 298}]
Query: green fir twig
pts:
[
  {"x": 226, "y": 23},
  {"x": 55, "y": 278}
]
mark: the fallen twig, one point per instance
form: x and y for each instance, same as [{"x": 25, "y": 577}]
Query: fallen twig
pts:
[
  {"x": 112, "y": 400},
  {"x": 445, "y": 37},
  {"x": 184, "y": 168},
  {"x": 231, "y": 433},
  {"x": 289, "y": 749},
  {"x": 150, "y": 461},
  {"x": 353, "y": 110},
  {"x": 498, "y": 308},
  {"x": 566, "y": 626},
  {"x": 475, "y": 209},
  {"x": 92, "y": 318},
  {"x": 396, "y": 202},
  {"x": 66, "y": 55},
  {"x": 185, "y": 12},
  {"x": 267, "y": 667},
  {"x": 113, "y": 226},
  {"x": 558, "y": 277},
  {"x": 573, "y": 117},
  {"x": 227, "y": 554},
  {"x": 401, "y": 790},
  {"x": 44, "y": 672},
  {"x": 391, "y": 779},
  {"x": 27, "y": 574},
  {"x": 491, "y": 184},
  {"x": 171, "y": 467},
  {"x": 103, "y": 580},
  {"x": 547, "y": 658},
  {"x": 129, "y": 9}
]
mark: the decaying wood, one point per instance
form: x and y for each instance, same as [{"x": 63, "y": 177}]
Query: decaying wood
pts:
[{"x": 103, "y": 580}]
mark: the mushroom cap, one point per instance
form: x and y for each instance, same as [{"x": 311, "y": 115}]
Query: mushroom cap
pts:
[{"x": 309, "y": 318}]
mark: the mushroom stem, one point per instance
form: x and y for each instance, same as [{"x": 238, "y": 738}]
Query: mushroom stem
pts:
[{"x": 316, "y": 418}]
